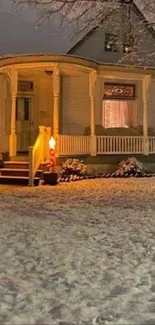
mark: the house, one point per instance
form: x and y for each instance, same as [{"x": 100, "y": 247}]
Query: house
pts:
[{"x": 93, "y": 109}]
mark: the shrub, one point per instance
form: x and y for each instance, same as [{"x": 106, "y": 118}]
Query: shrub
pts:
[
  {"x": 73, "y": 167},
  {"x": 130, "y": 168}
]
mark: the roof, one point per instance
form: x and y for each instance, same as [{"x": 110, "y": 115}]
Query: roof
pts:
[
  {"x": 85, "y": 37},
  {"x": 41, "y": 58}
]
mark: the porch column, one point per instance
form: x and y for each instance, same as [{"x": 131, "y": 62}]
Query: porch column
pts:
[
  {"x": 92, "y": 84},
  {"x": 13, "y": 137},
  {"x": 145, "y": 85},
  {"x": 56, "y": 94}
]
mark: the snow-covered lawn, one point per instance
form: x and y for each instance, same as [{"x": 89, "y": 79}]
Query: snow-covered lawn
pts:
[{"x": 78, "y": 253}]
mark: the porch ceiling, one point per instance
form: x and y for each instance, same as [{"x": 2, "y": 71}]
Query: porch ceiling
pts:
[
  {"x": 41, "y": 72},
  {"x": 35, "y": 73}
]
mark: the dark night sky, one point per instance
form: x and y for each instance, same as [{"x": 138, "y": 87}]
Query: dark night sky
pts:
[{"x": 18, "y": 33}]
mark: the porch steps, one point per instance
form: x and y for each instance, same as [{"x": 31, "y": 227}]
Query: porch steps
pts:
[
  {"x": 20, "y": 158},
  {"x": 17, "y": 172},
  {"x": 16, "y": 164},
  {"x": 18, "y": 180}
]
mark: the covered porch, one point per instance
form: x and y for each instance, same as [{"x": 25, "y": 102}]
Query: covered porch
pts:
[{"x": 65, "y": 95}]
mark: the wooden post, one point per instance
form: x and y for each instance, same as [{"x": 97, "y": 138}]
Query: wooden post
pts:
[
  {"x": 13, "y": 137},
  {"x": 43, "y": 139},
  {"x": 56, "y": 95},
  {"x": 31, "y": 166},
  {"x": 145, "y": 85},
  {"x": 92, "y": 84},
  {"x": 2, "y": 120}
]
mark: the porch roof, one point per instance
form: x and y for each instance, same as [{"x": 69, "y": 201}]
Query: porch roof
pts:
[{"x": 48, "y": 58}]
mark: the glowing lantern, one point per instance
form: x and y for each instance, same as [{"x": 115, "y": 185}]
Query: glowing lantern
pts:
[
  {"x": 52, "y": 159},
  {"x": 52, "y": 143}
]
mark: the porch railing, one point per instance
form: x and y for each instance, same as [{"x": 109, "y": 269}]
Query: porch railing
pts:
[
  {"x": 81, "y": 145},
  {"x": 73, "y": 145},
  {"x": 39, "y": 152},
  {"x": 151, "y": 144},
  {"x": 119, "y": 144}
]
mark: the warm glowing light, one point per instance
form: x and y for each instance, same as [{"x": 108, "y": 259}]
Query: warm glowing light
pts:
[
  {"x": 52, "y": 143},
  {"x": 126, "y": 49},
  {"x": 116, "y": 114}
]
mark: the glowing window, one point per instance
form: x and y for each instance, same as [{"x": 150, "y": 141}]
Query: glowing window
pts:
[{"x": 115, "y": 114}]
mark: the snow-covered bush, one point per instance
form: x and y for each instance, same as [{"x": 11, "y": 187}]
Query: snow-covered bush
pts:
[
  {"x": 130, "y": 168},
  {"x": 73, "y": 169}
]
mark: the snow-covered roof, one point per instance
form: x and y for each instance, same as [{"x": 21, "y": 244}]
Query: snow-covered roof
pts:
[{"x": 140, "y": 10}]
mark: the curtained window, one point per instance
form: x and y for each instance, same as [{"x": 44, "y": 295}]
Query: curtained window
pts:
[{"x": 115, "y": 114}]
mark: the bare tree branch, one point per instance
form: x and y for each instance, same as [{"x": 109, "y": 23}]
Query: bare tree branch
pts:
[{"x": 87, "y": 14}]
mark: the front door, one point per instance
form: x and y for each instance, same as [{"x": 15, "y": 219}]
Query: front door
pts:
[{"x": 24, "y": 123}]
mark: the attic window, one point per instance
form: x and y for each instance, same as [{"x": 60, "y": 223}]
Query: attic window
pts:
[
  {"x": 110, "y": 42},
  {"x": 126, "y": 48},
  {"x": 128, "y": 45}
]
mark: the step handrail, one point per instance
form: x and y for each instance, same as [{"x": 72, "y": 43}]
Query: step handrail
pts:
[{"x": 38, "y": 153}]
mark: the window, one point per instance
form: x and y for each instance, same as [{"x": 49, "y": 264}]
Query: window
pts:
[
  {"x": 126, "y": 48},
  {"x": 22, "y": 109},
  {"x": 26, "y": 109},
  {"x": 119, "y": 91},
  {"x": 110, "y": 42},
  {"x": 128, "y": 45},
  {"x": 115, "y": 114},
  {"x": 25, "y": 85}
]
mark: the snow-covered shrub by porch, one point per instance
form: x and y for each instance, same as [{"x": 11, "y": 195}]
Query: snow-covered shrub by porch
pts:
[
  {"x": 73, "y": 169},
  {"x": 131, "y": 168}
]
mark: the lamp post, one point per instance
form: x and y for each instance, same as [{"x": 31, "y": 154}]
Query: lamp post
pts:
[
  {"x": 52, "y": 158},
  {"x": 51, "y": 177}
]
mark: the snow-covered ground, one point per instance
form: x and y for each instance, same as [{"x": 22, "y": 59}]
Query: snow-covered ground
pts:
[{"x": 78, "y": 253}]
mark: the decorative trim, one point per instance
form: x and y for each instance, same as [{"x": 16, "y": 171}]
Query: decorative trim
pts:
[
  {"x": 119, "y": 91},
  {"x": 24, "y": 85}
]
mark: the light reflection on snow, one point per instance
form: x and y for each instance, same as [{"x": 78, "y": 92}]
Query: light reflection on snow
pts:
[{"x": 80, "y": 252}]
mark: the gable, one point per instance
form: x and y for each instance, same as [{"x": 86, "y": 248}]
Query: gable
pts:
[{"x": 92, "y": 46}]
